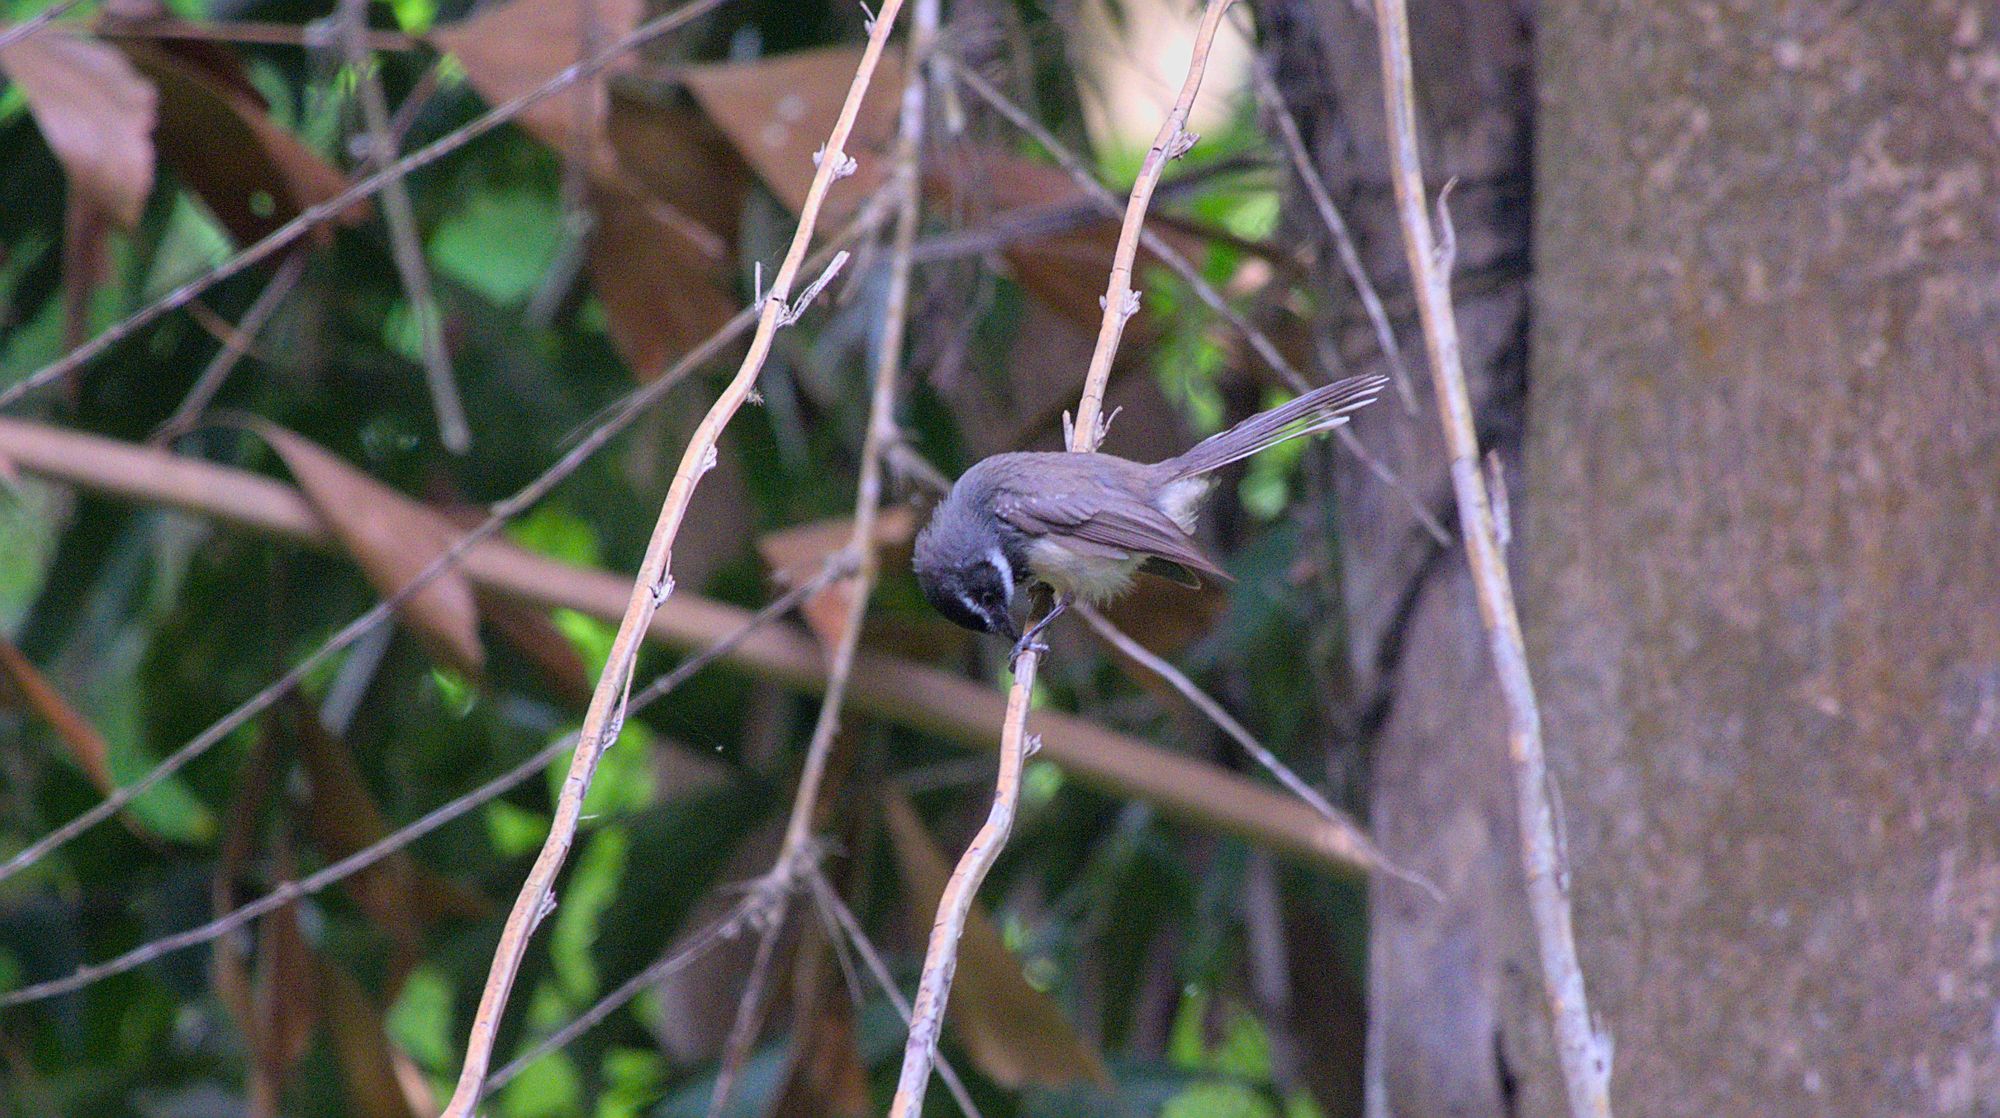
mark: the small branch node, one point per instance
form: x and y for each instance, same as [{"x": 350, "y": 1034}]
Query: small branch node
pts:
[
  {"x": 1503, "y": 516},
  {"x": 1182, "y": 143},
  {"x": 1031, "y": 746},
  {"x": 1446, "y": 253},
  {"x": 843, "y": 164},
  {"x": 792, "y": 313}
]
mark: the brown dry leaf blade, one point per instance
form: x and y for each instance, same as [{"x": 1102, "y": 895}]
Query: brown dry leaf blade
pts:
[
  {"x": 534, "y": 636},
  {"x": 1064, "y": 269},
  {"x": 95, "y": 111},
  {"x": 398, "y": 893},
  {"x": 779, "y": 111},
  {"x": 1016, "y": 1034},
  {"x": 370, "y": 1065},
  {"x": 661, "y": 286},
  {"x": 393, "y": 539},
  {"x": 254, "y": 175},
  {"x": 796, "y": 554},
  {"x": 86, "y": 745},
  {"x": 511, "y": 49},
  {"x": 824, "y": 1077},
  {"x": 679, "y": 157},
  {"x": 284, "y": 1005}
]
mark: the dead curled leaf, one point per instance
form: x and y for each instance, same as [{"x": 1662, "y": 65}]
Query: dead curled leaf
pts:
[
  {"x": 1015, "y": 1033},
  {"x": 797, "y": 554},
  {"x": 778, "y": 112},
  {"x": 511, "y": 49},
  {"x": 218, "y": 136},
  {"x": 657, "y": 278},
  {"x": 95, "y": 111},
  {"x": 86, "y": 746},
  {"x": 393, "y": 539}
]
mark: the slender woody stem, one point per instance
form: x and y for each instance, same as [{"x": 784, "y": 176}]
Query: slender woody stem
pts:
[
  {"x": 607, "y": 710},
  {"x": 1585, "y": 1054}
]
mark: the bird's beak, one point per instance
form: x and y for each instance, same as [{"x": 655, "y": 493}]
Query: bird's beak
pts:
[{"x": 1005, "y": 626}]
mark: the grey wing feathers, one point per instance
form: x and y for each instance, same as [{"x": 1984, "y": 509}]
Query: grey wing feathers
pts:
[{"x": 1107, "y": 518}]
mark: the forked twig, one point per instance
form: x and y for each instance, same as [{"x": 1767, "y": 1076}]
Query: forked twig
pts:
[
  {"x": 1120, "y": 302},
  {"x": 904, "y": 190},
  {"x": 850, "y": 927},
  {"x": 1584, "y": 1052},
  {"x": 235, "y": 346},
  {"x": 607, "y": 710}
]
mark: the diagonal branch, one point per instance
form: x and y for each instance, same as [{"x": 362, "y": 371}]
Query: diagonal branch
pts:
[
  {"x": 607, "y": 711},
  {"x": 409, "y": 833},
  {"x": 1336, "y": 227},
  {"x": 1584, "y": 1052},
  {"x": 166, "y": 477},
  {"x": 1120, "y": 302},
  {"x": 904, "y": 188},
  {"x": 313, "y": 216}
]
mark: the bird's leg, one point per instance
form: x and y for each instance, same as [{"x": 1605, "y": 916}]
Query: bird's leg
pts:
[{"x": 1031, "y": 640}]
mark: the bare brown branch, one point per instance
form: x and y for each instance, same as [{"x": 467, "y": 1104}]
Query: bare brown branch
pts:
[
  {"x": 654, "y": 584},
  {"x": 1585, "y": 1053}
]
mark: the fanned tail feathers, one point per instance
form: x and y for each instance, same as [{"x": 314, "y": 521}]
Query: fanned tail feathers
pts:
[{"x": 1322, "y": 409}]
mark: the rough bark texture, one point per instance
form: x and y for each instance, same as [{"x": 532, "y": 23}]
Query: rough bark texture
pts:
[
  {"x": 1763, "y": 593},
  {"x": 1453, "y": 985}
]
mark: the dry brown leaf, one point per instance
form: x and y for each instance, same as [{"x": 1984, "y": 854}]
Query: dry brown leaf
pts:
[
  {"x": 1065, "y": 269},
  {"x": 284, "y": 1003},
  {"x": 400, "y": 896},
  {"x": 797, "y": 554},
  {"x": 510, "y": 49},
  {"x": 86, "y": 746},
  {"x": 393, "y": 539},
  {"x": 778, "y": 112},
  {"x": 370, "y": 1065},
  {"x": 1016, "y": 1034},
  {"x": 824, "y": 1077},
  {"x": 534, "y": 636},
  {"x": 220, "y": 139},
  {"x": 96, "y": 113},
  {"x": 659, "y": 276},
  {"x": 679, "y": 157}
]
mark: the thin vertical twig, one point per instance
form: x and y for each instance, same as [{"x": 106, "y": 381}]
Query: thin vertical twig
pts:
[
  {"x": 1120, "y": 302},
  {"x": 904, "y": 190},
  {"x": 405, "y": 243},
  {"x": 606, "y": 714},
  {"x": 1585, "y": 1053},
  {"x": 1336, "y": 227}
]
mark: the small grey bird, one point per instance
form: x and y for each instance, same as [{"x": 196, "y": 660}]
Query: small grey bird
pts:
[{"x": 1084, "y": 524}]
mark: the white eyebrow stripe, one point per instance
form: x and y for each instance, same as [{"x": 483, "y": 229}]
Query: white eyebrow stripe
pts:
[{"x": 998, "y": 558}]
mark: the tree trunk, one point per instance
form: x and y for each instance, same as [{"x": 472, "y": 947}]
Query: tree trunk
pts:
[
  {"x": 1454, "y": 1030},
  {"x": 1763, "y": 555}
]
